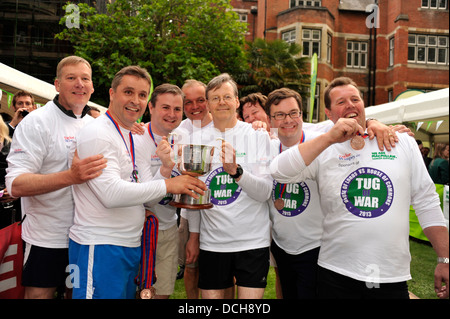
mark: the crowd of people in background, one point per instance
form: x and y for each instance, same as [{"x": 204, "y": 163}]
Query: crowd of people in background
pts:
[{"x": 311, "y": 200}]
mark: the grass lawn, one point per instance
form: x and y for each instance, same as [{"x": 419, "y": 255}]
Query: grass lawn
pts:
[{"x": 422, "y": 271}]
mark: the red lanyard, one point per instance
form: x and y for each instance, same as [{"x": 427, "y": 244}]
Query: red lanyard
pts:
[{"x": 131, "y": 144}]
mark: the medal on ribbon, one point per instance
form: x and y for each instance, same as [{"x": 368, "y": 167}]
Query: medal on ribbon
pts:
[
  {"x": 357, "y": 142},
  {"x": 134, "y": 173},
  {"x": 147, "y": 275},
  {"x": 279, "y": 202}
]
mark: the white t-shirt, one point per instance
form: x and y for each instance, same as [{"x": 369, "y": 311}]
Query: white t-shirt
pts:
[
  {"x": 41, "y": 145},
  {"x": 149, "y": 164},
  {"x": 297, "y": 227},
  {"x": 366, "y": 196},
  {"x": 109, "y": 209},
  {"x": 239, "y": 219}
]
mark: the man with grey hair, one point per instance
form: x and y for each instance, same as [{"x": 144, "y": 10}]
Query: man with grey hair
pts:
[{"x": 235, "y": 233}]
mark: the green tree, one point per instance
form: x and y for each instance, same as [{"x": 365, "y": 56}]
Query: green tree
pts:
[
  {"x": 173, "y": 39},
  {"x": 273, "y": 65}
]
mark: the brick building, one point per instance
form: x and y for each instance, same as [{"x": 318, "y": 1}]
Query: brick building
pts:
[{"x": 386, "y": 46}]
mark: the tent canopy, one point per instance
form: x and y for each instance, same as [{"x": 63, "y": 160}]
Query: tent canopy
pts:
[{"x": 427, "y": 114}]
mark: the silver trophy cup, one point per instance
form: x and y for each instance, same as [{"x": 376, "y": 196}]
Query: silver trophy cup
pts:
[{"x": 194, "y": 160}]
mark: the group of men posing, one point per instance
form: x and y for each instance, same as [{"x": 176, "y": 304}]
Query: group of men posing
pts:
[{"x": 332, "y": 206}]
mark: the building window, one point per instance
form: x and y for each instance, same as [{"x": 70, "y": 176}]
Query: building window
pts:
[
  {"x": 242, "y": 17},
  {"x": 428, "y": 49},
  {"x": 391, "y": 51},
  {"x": 390, "y": 95},
  {"x": 288, "y": 36},
  {"x": 301, "y": 3},
  {"x": 311, "y": 42},
  {"x": 356, "y": 54},
  {"x": 434, "y": 4},
  {"x": 307, "y": 101},
  {"x": 329, "y": 40}
]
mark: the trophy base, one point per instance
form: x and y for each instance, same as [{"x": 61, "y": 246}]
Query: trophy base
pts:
[
  {"x": 188, "y": 202},
  {"x": 191, "y": 206}
]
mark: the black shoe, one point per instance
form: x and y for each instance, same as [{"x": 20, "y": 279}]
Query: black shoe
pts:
[{"x": 180, "y": 273}]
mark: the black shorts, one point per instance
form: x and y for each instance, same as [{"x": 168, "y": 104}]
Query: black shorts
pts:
[
  {"x": 45, "y": 267},
  {"x": 218, "y": 270},
  {"x": 332, "y": 285}
]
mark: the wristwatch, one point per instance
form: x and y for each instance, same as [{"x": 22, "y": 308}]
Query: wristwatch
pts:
[
  {"x": 239, "y": 172},
  {"x": 442, "y": 260}
]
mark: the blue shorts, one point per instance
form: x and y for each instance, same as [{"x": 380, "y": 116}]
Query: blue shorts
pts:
[{"x": 103, "y": 271}]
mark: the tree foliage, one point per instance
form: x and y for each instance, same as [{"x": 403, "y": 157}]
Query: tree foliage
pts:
[
  {"x": 273, "y": 65},
  {"x": 173, "y": 39}
]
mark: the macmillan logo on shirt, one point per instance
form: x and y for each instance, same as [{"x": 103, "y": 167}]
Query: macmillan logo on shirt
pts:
[
  {"x": 383, "y": 156},
  {"x": 224, "y": 190},
  {"x": 296, "y": 197},
  {"x": 367, "y": 192}
]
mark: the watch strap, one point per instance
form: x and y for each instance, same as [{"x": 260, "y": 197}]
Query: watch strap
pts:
[{"x": 239, "y": 172}]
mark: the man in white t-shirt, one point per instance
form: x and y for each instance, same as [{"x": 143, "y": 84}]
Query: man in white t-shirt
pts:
[
  {"x": 198, "y": 119},
  {"x": 39, "y": 173},
  {"x": 105, "y": 238},
  {"x": 235, "y": 233},
  {"x": 365, "y": 195},
  {"x": 166, "y": 109}
]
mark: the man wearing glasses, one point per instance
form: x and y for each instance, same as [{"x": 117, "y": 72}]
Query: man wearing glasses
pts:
[
  {"x": 235, "y": 233},
  {"x": 295, "y": 209},
  {"x": 365, "y": 197}
]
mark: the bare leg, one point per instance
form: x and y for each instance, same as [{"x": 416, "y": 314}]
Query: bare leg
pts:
[
  {"x": 39, "y": 293},
  {"x": 250, "y": 293}
]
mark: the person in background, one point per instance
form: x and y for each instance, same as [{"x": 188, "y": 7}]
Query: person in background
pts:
[
  {"x": 439, "y": 165},
  {"x": 94, "y": 112},
  {"x": 7, "y": 217},
  {"x": 23, "y": 103},
  {"x": 252, "y": 109},
  {"x": 425, "y": 152}
]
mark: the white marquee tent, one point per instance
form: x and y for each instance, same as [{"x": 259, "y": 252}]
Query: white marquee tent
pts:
[{"x": 427, "y": 114}]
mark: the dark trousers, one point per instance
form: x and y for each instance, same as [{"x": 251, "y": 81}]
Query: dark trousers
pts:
[
  {"x": 297, "y": 273},
  {"x": 332, "y": 285}
]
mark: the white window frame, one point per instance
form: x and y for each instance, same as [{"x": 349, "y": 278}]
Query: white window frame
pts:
[
  {"x": 391, "y": 51},
  {"x": 289, "y": 36},
  {"x": 329, "y": 47},
  {"x": 313, "y": 39},
  {"x": 242, "y": 17},
  {"x": 357, "y": 52},
  {"x": 304, "y": 3},
  {"x": 428, "y": 49},
  {"x": 434, "y": 4}
]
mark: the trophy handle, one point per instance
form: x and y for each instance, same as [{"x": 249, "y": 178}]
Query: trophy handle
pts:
[{"x": 171, "y": 134}]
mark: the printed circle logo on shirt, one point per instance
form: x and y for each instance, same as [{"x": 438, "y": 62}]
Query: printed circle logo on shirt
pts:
[
  {"x": 296, "y": 197},
  {"x": 367, "y": 192},
  {"x": 224, "y": 190}
]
